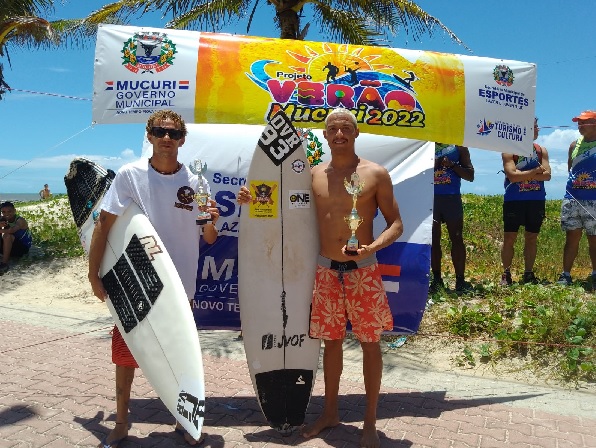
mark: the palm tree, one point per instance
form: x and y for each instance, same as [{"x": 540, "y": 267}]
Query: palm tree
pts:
[
  {"x": 22, "y": 26},
  {"x": 19, "y": 23},
  {"x": 359, "y": 22}
]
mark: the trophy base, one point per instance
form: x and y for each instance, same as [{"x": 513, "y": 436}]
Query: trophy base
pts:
[
  {"x": 202, "y": 220},
  {"x": 351, "y": 248}
]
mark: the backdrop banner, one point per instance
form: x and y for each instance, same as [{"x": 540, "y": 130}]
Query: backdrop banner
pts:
[
  {"x": 227, "y": 150},
  {"x": 220, "y": 78}
]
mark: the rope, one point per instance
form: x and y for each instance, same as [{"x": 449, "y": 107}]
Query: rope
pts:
[
  {"x": 49, "y": 94},
  {"x": 46, "y": 151},
  {"x": 55, "y": 340},
  {"x": 502, "y": 341}
]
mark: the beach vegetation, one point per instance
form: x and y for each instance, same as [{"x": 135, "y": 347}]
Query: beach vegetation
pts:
[
  {"x": 545, "y": 327},
  {"x": 54, "y": 232}
]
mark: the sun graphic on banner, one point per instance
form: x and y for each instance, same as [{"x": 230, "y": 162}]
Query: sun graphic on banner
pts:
[{"x": 335, "y": 63}]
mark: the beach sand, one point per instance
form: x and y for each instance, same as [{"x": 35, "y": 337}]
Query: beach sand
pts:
[{"x": 52, "y": 293}]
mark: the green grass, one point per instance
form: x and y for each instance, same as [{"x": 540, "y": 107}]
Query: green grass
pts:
[
  {"x": 550, "y": 328},
  {"x": 53, "y": 228}
]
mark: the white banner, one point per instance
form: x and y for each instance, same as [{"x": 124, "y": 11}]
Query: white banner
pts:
[
  {"x": 227, "y": 150},
  {"x": 219, "y": 78}
]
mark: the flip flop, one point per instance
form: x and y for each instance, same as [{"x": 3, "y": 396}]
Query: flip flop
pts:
[
  {"x": 183, "y": 432},
  {"x": 113, "y": 444}
]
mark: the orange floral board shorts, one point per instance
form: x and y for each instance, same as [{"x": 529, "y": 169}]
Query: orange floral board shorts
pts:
[
  {"x": 349, "y": 290},
  {"x": 121, "y": 355}
]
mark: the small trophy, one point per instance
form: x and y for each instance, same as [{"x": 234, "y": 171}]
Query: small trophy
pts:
[
  {"x": 201, "y": 196},
  {"x": 354, "y": 187}
]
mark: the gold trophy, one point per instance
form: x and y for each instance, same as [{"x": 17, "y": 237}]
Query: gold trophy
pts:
[
  {"x": 353, "y": 187},
  {"x": 201, "y": 196}
]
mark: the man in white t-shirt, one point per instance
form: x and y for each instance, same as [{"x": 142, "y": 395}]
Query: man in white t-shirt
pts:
[{"x": 164, "y": 189}]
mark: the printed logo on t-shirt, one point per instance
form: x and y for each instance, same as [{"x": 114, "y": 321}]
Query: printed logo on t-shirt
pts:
[{"x": 185, "y": 197}]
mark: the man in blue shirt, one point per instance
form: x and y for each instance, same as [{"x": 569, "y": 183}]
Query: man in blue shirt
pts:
[
  {"x": 452, "y": 164},
  {"x": 578, "y": 211},
  {"x": 524, "y": 205}
]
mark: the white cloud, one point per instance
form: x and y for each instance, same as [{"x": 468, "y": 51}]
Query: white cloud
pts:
[
  {"x": 558, "y": 139},
  {"x": 59, "y": 70}
]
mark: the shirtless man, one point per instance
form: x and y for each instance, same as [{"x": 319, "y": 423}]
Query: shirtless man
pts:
[
  {"x": 45, "y": 193},
  {"x": 336, "y": 297}
]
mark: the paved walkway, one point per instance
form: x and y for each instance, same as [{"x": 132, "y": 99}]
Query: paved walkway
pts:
[{"x": 56, "y": 390}]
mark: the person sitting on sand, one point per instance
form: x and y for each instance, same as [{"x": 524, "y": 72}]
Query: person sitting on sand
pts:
[
  {"x": 45, "y": 192},
  {"x": 16, "y": 236}
]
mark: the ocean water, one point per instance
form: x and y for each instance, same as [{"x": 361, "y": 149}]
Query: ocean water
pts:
[{"x": 19, "y": 197}]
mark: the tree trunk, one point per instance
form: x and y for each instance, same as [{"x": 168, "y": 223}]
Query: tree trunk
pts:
[{"x": 289, "y": 21}]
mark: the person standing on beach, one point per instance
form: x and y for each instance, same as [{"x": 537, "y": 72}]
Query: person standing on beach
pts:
[
  {"x": 349, "y": 285},
  {"x": 156, "y": 186},
  {"x": 452, "y": 164},
  {"x": 15, "y": 233},
  {"x": 578, "y": 210},
  {"x": 44, "y": 193},
  {"x": 524, "y": 205}
]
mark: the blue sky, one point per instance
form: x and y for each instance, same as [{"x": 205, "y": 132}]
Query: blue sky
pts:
[{"x": 43, "y": 133}]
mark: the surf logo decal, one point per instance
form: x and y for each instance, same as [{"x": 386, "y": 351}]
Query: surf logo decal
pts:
[
  {"x": 270, "y": 341},
  {"x": 299, "y": 199},
  {"x": 264, "y": 203},
  {"x": 151, "y": 246},
  {"x": 148, "y": 51},
  {"x": 133, "y": 284},
  {"x": 298, "y": 166},
  {"x": 279, "y": 138},
  {"x": 191, "y": 408}
]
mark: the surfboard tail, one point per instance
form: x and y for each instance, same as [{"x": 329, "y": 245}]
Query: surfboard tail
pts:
[{"x": 284, "y": 395}]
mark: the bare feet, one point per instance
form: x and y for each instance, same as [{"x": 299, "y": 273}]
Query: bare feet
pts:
[
  {"x": 320, "y": 424},
  {"x": 370, "y": 437},
  {"x": 119, "y": 433}
]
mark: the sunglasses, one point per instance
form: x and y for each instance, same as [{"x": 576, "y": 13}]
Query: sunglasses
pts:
[{"x": 159, "y": 132}]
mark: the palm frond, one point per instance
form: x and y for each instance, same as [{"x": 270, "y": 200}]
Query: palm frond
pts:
[
  {"x": 406, "y": 15},
  {"x": 346, "y": 26},
  {"x": 26, "y": 30},
  {"x": 386, "y": 18},
  {"x": 12, "y": 8},
  {"x": 211, "y": 15}
]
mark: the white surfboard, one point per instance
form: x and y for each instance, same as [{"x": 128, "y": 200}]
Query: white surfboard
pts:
[
  {"x": 277, "y": 254},
  {"x": 146, "y": 297}
]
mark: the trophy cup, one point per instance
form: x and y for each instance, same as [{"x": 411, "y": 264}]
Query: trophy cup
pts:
[
  {"x": 201, "y": 196},
  {"x": 353, "y": 187}
]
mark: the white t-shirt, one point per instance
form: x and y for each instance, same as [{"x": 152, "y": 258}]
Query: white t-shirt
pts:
[{"x": 167, "y": 200}]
